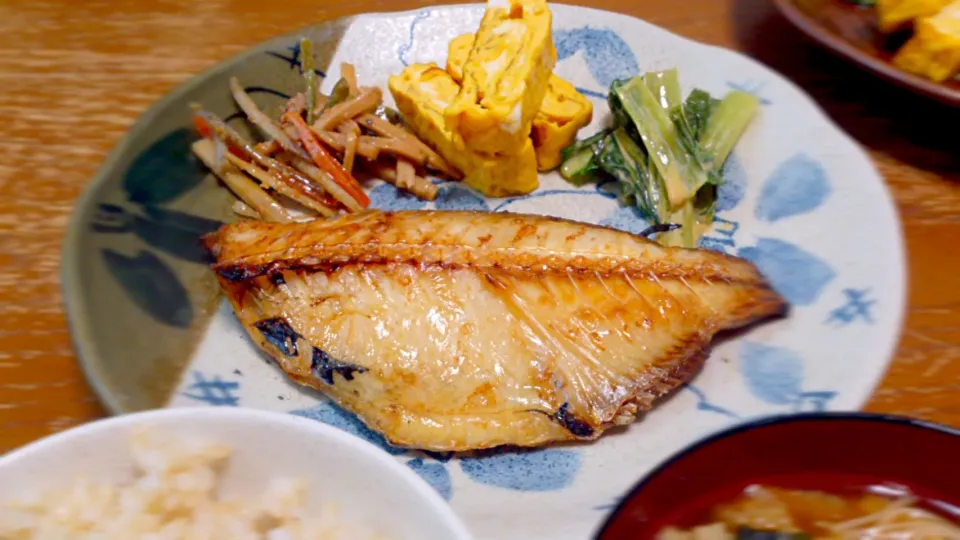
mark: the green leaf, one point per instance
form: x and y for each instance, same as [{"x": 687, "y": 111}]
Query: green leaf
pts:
[
  {"x": 625, "y": 160},
  {"x": 620, "y": 117},
  {"x": 697, "y": 110},
  {"x": 665, "y": 87},
  {"x": 681, "y": 170},
  {"x": 579, "y": 165}
]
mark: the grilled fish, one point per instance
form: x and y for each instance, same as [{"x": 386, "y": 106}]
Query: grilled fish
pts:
[{"x": 449, "y": 330}]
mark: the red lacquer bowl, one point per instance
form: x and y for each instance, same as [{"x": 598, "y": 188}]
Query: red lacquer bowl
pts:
[{"x": 835, "y": 452}]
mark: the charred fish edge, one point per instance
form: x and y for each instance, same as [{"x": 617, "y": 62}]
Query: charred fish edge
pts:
[
  {"x": 279, "y": 333},
  {"x": 323, "y": 366},
  {"x": 574, "y": 425}
]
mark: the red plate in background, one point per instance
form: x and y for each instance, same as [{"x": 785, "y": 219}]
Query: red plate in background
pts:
[{"x": 851, "y": 31}]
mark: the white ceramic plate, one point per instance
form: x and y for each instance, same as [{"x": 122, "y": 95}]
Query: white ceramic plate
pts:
[
  {"x": 801, "y": 200},
  {"x": 367, "y": 486}
]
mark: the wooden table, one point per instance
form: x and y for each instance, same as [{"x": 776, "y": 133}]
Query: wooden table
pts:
[{"x": 75, "y": 75}]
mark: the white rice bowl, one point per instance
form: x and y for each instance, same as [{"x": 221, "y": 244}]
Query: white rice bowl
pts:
[{"x": 215, "y": 473}]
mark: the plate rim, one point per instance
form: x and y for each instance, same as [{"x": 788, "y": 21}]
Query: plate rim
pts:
[
  {"x": 83, "y": 344},
  {"x": 843, "y": 48},
  {"x": 85, "y": 348}
]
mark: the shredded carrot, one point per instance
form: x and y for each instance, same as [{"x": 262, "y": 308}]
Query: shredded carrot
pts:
[
  {"x": 267, "y": 148},
  {"x": 292, "y": 183},
  {"x": 246, "y": 189},
  {"x": 205, "y": 131},
  {"x": 202, "y": 127},
  {"x": 314, "y": 161},
  {"x": 326, "y": 162}
]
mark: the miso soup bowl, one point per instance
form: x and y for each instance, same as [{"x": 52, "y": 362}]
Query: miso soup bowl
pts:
[{"x": 820, "y": 451}]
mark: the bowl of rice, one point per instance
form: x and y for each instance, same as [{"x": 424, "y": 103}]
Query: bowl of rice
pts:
[{"x": 213, "y": 473}]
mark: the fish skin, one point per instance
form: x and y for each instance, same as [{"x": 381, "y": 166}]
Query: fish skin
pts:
[{"x": 454, "y": 330}]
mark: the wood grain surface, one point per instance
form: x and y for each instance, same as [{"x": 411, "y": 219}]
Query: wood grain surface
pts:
[{"x": 75, "y": 75}]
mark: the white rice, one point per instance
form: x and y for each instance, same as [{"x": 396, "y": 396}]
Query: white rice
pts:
[{"x": 173, "y": 497}]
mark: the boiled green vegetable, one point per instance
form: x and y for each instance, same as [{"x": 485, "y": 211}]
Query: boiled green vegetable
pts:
[
  {"x": 579, "y": 165},
  {"x": 697, "y": 110},
  {"x": 682, "y": 173},
  {"x": 625, "y": 160},
  {"x": 665, "y": 87},
  {"x": 666, "y": 154},
  {"x": 725, "y": 126}
]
